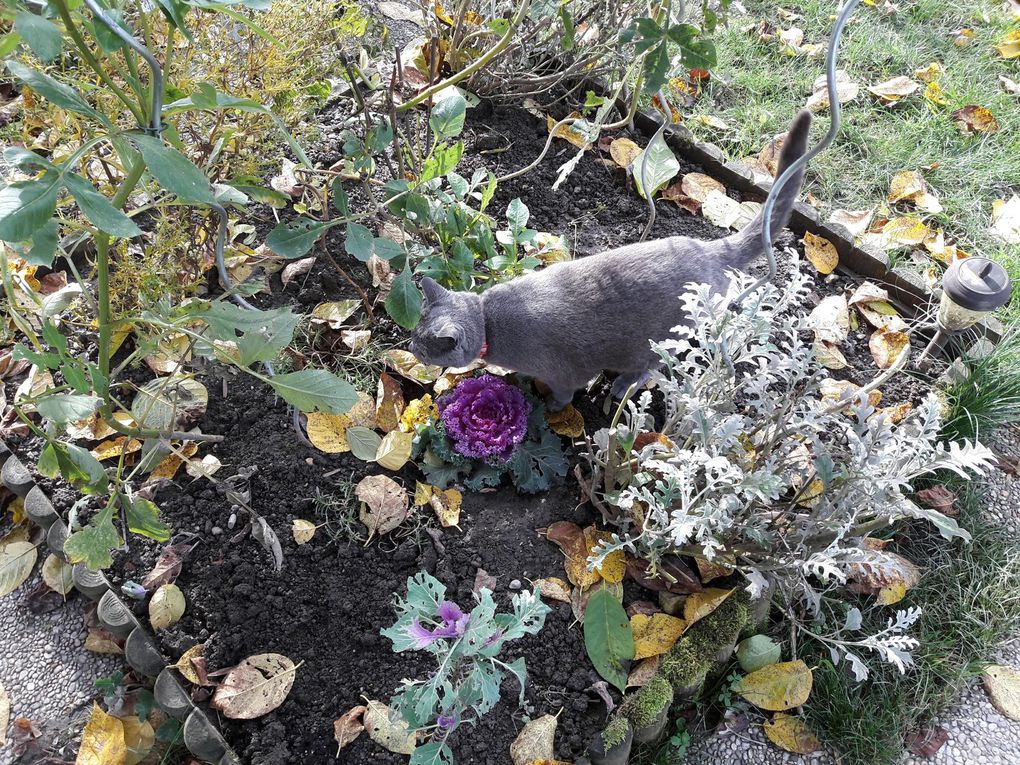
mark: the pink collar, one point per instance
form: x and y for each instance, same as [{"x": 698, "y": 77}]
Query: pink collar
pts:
[{"x": 484, "y": 352}]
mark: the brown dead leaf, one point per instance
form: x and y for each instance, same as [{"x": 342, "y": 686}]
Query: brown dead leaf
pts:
[
  {"x": 873, "y": 303},
  {"x": 675, "y": 194},
  {"x": 166, "y": 570},
  {"x": 855, "y": 221},
  {"x": 624, "y": 151},
  {"x": 846, "y": 91},
  {"x": 389, "y": 403},
  {"x": 973, "y": 119},
  {"x": 925, "y": 742},
  {"x": 567, "y": 422},
  {"x": 886, "y": 346},
  {"x": 884, "y": 574},
  {"x": 698, "y": 186},
  {"x": 296, "y": 269},
  {"x": 188, "y": 667},
  {"x": 643, "y": 672},
  {"x": 100, "y": 641},
  {"x": 673, "y": 575},
  {"x": 570, "y": 538},
  {"x": 939, "y": 498},
  {"x": 715, "y": 569},
  {"x": 349, "y": 726},
  {"x": 553, "y": 588},
  {"x": 894, "y": 90},
  {"x": 896, "y": 413},
  {"x": 384, "y": 504},
  {"x": 446, "y": 505}
]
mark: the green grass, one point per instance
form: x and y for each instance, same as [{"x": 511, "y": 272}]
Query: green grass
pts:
[
  {"x": 756, "y": 91},
  {"x": 970, "y": 596},
  {"x": 989, "y": 395}
]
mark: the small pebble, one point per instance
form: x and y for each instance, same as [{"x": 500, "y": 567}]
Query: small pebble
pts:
[
  {"x": 216, "y": 531},
  {"x": 515, "y": 584},
  {"x": 232, "y": 520}
]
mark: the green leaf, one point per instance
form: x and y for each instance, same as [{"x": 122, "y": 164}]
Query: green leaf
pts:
[
  {"x": 56, "y": 92},
  {"x": 442, "y": 162},
  {"x": 434, "y": 753},
  {"x": 42, "y": 35},
  {"x": 656, "y": 69},
  {"x": 205, "y": 97},
  {"x": 517, "y": 215},
  {"x": 272, "y": 337},
  {"x": 8, "y": 43},
  {"x": 535, "y": 464},
  {"x": 175, "y": 11},
  {"x": 403, "y": 304},
  {"x": 608, "y": 638},
  {"x": 143, "y": 518},
  {"x": 98, "y": 209},
  {"x": 175, "y": 172},
  {"x": 313, "y": 390},
  {"x": 92, "y": 545},
  {"x": 76, "y": 465},
  {"x": 696, "y": 52},
  {"x": 169, "y": 402},
  {"x": 448, "y": 113},
  {"x": 364, "y": 442},
  {"x": 44, "y": 244},
  {"x": 106, "y": 38},
  {"x": 262, "y": 195},
  {"x": 661, "y": 167},
  {"x": 295, "y": 238},
  {"x": 358, "y": 242},
  {"x": 26, "y": 206},
  {"x": 67, "y": 407},
  {"x": 339, "y": 197},
  {"x": 21, "y": 157}
]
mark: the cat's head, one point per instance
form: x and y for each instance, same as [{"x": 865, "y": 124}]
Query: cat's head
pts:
[{"x": 452, "y": 327}]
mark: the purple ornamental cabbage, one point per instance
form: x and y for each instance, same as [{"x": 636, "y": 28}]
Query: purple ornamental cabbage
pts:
[
  {"x": 485, "y": 417},
  {"x": 454, "y": 624}
]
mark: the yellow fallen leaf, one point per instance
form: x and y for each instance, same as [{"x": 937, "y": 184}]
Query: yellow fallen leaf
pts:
[
  {"x": 422, "y": 493},
  {"x": 1003, "y": 687},
  {"x": 614, "y": 565},
  {"x": 712, "y": 122},
  {"x": 792, "y": 734},
  {"x": 334, "y": 314},
  {"x": 962, "y": 37},
  {"x": 446, "y": 505},
  {"x": 655, "y": 634},
  {"x": 700, "y": 604},
  {"x": 777, "y": 687},
  {"x": 115, "y": 447},
  {"x": 171, "y": 354},
  {"x": 572, "y": 542},
  {"x": 933, "y": 94},
  {"x": 929, "y": 73},
  {"x": 1009, "y": 47},
  {"x": 420, "y": 411},
  {"x": 698, "y": 186},
  {"x": 102, "y": 741},
  {"x": 834, "y": 391},
  {"x": 17, "y": 510},
  {"x": 406, "y": 365},
  {"x": 172, "y": 462},
  {"x": 886, "y": 346},
  {"x": 1006, "y": 219},
  {"x": 553, "y": 588},
  {"x": 388, "y": 729},
  {"x": 722, "y": 566},
  {"x": 328, "y": 432},
  {"x": 57, "y": 574},
  {"x": 303, "y": 530},
  {"x": 873, "y": 303},
  {"x": 624, "y": 151},
  {"x": 855, "y": 221},
  {"x": 184, "y": 665},
  {"x": 395, "y": 450},
  {"x": 897, "y": 413},
  {"x": 362, "y": 414},
  {"x": 574, "y": 134},
  {"x": 821, "y": 252},
  {"x": 535, "y": 742},
  {"x": 906, "y": 230},
  {"x": 907, "y": 185},
  {"x": 567, "y": 422},
  {"x": 101, "y": 641},
  {"x": 139, "y": 738},
  {"x": 973, "y": 119}
]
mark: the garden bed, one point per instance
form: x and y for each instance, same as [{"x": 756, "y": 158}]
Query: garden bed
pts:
[{"x": 327, "y": 605}]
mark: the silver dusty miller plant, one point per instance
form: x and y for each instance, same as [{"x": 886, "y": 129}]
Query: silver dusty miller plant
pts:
[{"x": 767, "y": 466}]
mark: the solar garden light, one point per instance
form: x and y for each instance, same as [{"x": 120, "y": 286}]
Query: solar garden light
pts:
[{"x": 972, "y": 288}]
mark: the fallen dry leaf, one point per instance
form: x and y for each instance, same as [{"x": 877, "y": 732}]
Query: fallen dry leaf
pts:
[
  {"x": 17, "y": 559},
  {"x": 384, "y": 504},
  {"x": 115, "y": 447},
  {"x": 939, "y": 498},
  {"x": 906, "y": 230},
  {"x": 655, "y": 634},
  {"x": 834, "y": 391},
  {"x": 1003, "y": 687},
  {"x": 388, "y": 729},
  {"x": 929, "y": 73},
  {"x": 846, "y": 91},
  {"x": 698, "y": 186},
  {"x": 569, "y": 537},
  {"x": 166, "y": 606},
  {"x": 894, "y": 90},
  {"x": 389, "y": 403},
  {"x": 172, "y": 462},
  {"x": 933, "y": 94},
  {"x": 395, "y": 450},
  {"x": 203, "y": 468},
  {"x": 855, "y": 221},
  {"x": 792, "y": 734},
  {"x": 722, "y": 566},
  {"x": 166, "y": 570},
  {"x": 624, "y": 151},
  {"x": 296, "y": 269},
  {"x": 1006, "y": 219},
  {"x": 700, "y": 604},
  {"x": 406, "y": 365},
  {"x": 535, "y": 741},
  {"x": 645, "y": 670},
  {"x": 884, "y": 574},
  {"x": 102, "y": 741},
  {"x": 575, "y": 134},
  {"x": 303, "y": 530},
  {"x": 821, "y": 252},
  {"x": 910, "y": 186},
  {"x": 349, "y": 726},
  {"x": 334, "y": 314},
  {"x": 830, "y": 319},
  {"x": 553, "y": 588},
  {"x": 777, "y": 687},
  {"x": 925, "y": 742},
  {"x": 100, "y": 641},
  {"x": 56, "y": 572},
  {"x": 711, "y": 121},
  {"x": 614, "y": 565},
  {"x": 962, "y": 37},
  {"x": 139, "y": 738},
  {"x": 328, "y": 432},
  {"x": 896, "y": 413},
  {"x": 186, "y": 665},
  {"x": 446, "y": 505},
  {"x": 873, "y": 303},
  {"x": 1009, "y": 85},
  {"x": 886, "y": 346},
  {"x": 255, "y": 687},
  {"x": 5, "y": 714},
  {"x": 567, "y": 422},
  {"x": 973, "y": 119},
  {"x": 172, "y": 352}
]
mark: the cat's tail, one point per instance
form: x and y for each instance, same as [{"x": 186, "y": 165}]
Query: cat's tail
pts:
[{"x": 747, "y": 244}]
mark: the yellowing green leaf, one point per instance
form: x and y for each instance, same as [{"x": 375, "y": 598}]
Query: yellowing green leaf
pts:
[
  {"x": 655, "y": 634},
  {"x": 57, "y": 574},
  {"x": 821, "y": 252},
  {"x": 388, "y": 729},
  {"x": 777, "y": 687},
  {"x": 792, "y": 734},
  {"x": 303, "y": 530},
  {"x": 102, "y": 741},
  {"x": 395, "y": 450},
  {"x": 328, "y": 432}
]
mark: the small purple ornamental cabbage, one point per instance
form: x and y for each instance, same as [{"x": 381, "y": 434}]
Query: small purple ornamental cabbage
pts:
[
  {"x": 448, "y": 722},
  {"x": 485, "y": 416},
  {"x": 454, "y": 625}
]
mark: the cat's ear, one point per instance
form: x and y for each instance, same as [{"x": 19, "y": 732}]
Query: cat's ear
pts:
[{"x": 432, "y": 290}]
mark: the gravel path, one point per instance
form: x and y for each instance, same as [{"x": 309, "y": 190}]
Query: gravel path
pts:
[
  {"x": 978, "y": 733},
  {"x": 44, "y": 666}
]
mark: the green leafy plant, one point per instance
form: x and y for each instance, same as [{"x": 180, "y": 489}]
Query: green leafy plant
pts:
[
  {"x": 675, "y": 748},
  {"x": 53, "y": 195},
  {"x": 467, "y": 683},
  {"x": 608, "y": 638}
]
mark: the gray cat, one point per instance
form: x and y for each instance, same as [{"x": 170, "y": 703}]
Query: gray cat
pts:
[{"x": 565, "y": 324}]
